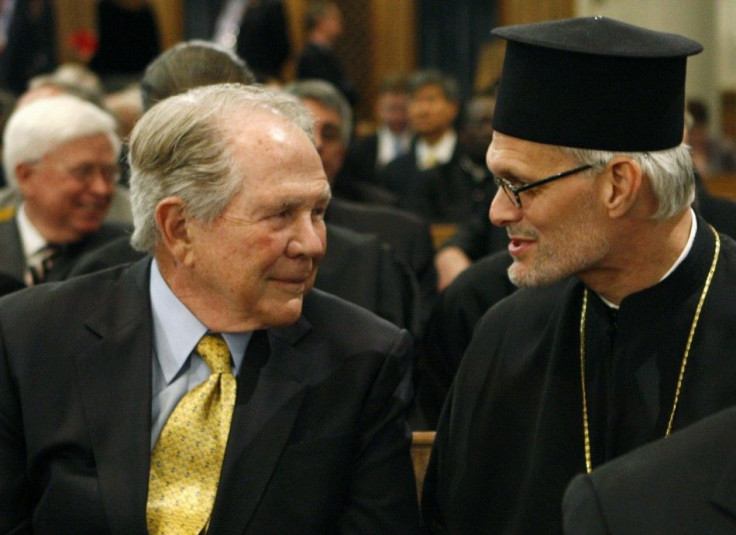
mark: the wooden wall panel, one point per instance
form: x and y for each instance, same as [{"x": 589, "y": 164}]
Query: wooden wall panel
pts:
[
  {"x": 523, "y": 11},
  {"x": 73, "y": 15}
]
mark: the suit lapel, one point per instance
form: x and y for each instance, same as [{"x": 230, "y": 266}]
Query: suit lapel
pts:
[
  {"x": 12, "y": 260},
  {"x": 114, "y": 374},
  {"x": 271, "y": 387}
]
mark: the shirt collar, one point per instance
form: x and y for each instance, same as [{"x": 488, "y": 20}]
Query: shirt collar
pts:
[
  {"x": 177, "y": 331},
  {"x": 441, "y": 151},
  {"x": 31, "y": 239}
]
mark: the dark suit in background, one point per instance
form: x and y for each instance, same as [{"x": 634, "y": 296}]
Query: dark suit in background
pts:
[
  {"x": 263, "y": 40},
  {"x": 452, "y": 192},
  {"x": 263, "y": 36},
  {"x": 12, "y": 259},
  {"x": 408, "y": 235},
  {"x": 450, "y": 329},
  {"x": 402, "y": 177},
  {"x": 9, "y": 284},
  {"x": 31, "y": 44}
]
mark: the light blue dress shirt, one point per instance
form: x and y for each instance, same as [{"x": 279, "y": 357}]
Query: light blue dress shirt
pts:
[{"x": 176, "y": 367}]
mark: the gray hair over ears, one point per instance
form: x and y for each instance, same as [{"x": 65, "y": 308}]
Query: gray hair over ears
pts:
[
  {"x": 181, "y": 148},
  {"x": 670, "y": 173}
]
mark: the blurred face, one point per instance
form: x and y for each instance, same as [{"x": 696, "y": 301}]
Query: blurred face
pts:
[
  {"x": 260, "y": 257},
  {"x": 559, "y": 229},
  {"x": 331, "y": 24},
  {"x": 392, "y": 111},
  {"x": 327, "y": 127},
  {"x": 430, "y": 113},
  {"x": 478, "y": 130},
  {"x": 69, "y": 191}
]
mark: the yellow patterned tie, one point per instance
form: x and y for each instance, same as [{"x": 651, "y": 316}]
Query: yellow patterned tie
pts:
[{"x": 187, "y": 459}]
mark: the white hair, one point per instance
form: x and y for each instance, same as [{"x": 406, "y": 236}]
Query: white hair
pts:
[{"x": 37, "y": 128}]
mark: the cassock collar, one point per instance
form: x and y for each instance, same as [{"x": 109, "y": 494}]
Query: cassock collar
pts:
[
  {"x": 687, "y": 277},
  {"x": 685, "y": 252}
]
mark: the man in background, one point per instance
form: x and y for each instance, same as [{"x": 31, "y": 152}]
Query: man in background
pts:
[
  {"x": 61, "y": 154},
  {"x": 323, "y": 23},
  {"x": 434, "y": 102},
  {"x": 407, "y": 234},
  {"x": 369, "y": 154}
]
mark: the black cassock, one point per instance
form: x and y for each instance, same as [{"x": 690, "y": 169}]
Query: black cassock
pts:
[{"x": 511, "y": 434}]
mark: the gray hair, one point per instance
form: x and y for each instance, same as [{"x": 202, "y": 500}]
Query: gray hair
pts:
[
  {"x": 37, "y": 128},
  {"x": 329, "y": 96},
  {"x": 182, "y": 148},
  {"x": 670, "y": 173},
  {"x": 191, "y": 64}
]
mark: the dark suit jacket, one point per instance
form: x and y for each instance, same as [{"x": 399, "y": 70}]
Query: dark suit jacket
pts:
[
  {"x": 449, "y": 330},
  {"x": 12, "y": 259},
  {"x": 360, "y": 178},
  {"x": 403, "y": 177},
  {"x": 9, "y": 284},
  {"x": 322, "y": 63},
  {"x": 407, "y": 234},
  {"x": 478, "y": 237},
  {"x": 318, "y": 442},
  {"x": 357, "y": 267},
  {"x": 263, "y": 39},
  {"x": 31, "y": 44},
  {"x": 449, "y": 193},
  {"x": 361, "y": 159},
  {"x": 685, "y": 484},
  {"x": 721, "y": 213}
]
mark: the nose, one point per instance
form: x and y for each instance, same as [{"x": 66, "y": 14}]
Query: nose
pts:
[
  {"x": 503, "y": 212},
  {"x": 101, "y": 185},
  {"x": 309, "y": 239}
]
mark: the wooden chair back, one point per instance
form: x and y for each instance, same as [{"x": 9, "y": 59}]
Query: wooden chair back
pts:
[{"x": 421, "y": 447}]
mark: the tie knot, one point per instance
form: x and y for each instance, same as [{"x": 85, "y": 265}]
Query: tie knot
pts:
[{"x": 213, "y": 349}]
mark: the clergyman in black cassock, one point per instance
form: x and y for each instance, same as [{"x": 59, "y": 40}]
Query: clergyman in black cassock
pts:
[{"x": 570, "y": 372}]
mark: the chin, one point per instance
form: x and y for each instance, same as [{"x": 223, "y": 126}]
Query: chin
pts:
[
  {"x": 525, "y": 277},
  {"x": 284, "y": 313}
]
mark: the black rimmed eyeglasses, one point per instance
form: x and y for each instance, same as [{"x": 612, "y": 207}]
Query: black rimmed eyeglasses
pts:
[{"x": 512, "y": 192}]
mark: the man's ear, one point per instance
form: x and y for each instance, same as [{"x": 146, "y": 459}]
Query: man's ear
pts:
[
  {"x": 172, "y": 223},
  {"x": 624, "y": 186},
  {"x": 23, "y": 173}
]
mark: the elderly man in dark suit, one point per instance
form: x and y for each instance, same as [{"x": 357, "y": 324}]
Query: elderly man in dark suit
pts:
[
  {"x": 60, "y": 153},
  {"x": 105, "y": 380},
  {"x": 372, "y": 277}
]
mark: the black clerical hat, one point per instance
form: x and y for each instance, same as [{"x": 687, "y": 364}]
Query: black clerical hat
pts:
[{"x": 593, "y": 83}]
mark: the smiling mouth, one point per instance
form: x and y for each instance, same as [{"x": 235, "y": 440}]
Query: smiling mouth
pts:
[
  {"x": 518, "y": 246},
  {"x": 294, "y": 284}
]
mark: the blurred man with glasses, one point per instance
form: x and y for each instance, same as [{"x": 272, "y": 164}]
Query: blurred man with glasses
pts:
[
  {"x": 61, "y": 154},
  {"x": 620, "y": 333}
]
